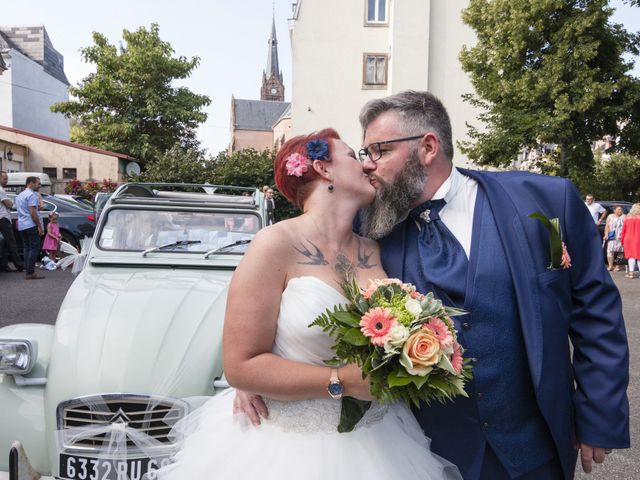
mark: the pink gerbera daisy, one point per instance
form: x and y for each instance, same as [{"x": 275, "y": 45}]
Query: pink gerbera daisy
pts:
[
  {"x": 296, "y": 165},
  {"x": 456, "y": 359},
  {"x": 441, "y": 330},
  {"x": 376, "y": 324}
]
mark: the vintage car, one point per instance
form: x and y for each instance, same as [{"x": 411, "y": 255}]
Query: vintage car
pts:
[{"x": 137, "y": 341}]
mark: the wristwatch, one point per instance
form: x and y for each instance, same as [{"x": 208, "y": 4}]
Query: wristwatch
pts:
[{"x": 335, "y": 387}]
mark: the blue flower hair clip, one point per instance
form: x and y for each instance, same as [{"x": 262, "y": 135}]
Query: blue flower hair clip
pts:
[{"x": 318, "y": 150}]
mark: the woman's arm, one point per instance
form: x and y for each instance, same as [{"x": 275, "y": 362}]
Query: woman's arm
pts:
[{"x": 250, "y": 325}]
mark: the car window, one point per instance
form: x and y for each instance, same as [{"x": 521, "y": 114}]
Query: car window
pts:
[
  {"x": 154, "y": 228},
  {"x": 48, "y": 207}
]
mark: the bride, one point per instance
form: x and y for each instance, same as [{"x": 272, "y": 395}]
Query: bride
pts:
[{"x": 291, "y": 273}]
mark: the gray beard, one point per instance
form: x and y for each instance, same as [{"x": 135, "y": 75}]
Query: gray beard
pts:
[{"x": 394, "y": 200}]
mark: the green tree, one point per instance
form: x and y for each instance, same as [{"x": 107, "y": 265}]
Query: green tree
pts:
[
  {"x": 244, "y": 168},
  {"x": 130, "y": 104},
  {"x": 616, "y": 178},
  {"x": 547, "y": 72},
  {"x": 176, "y": 165}
]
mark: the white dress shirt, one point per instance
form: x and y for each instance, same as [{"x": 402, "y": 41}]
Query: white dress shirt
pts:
[{"x": 459, "y": 191}]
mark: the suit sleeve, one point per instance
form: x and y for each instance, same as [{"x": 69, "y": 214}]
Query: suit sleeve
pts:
[{"x": 598, "y": 335}]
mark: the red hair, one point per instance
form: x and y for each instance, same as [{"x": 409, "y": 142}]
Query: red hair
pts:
[{"x": 297, "y": 189}]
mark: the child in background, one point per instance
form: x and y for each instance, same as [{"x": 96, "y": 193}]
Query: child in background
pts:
[{"x": 52, "y": 238}]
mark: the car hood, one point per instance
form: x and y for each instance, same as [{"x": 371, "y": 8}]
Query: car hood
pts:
[{"x": 154, "y": 331}]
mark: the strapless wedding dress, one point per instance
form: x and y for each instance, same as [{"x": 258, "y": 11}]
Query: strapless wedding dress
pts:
[{"x": 299, "y": 440}]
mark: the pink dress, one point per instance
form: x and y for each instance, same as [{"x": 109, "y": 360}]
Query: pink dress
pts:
[{"x": 50, "y": 243}]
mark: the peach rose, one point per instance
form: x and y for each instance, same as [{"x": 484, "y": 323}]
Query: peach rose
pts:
[{"x": 422, "y": 350}]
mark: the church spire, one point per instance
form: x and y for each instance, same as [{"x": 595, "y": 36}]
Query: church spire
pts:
[
  {"x": 273, "y": 67},
  {"x": 272, "y": 85}
]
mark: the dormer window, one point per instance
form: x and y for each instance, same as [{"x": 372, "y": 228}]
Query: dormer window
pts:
[{"x": 376, "y": 12}]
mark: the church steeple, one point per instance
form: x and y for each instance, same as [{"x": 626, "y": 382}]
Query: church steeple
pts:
[{"x": 272, "y": 86}]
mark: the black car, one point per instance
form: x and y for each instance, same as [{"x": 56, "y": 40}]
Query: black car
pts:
[{"x": 75, "y": 220}]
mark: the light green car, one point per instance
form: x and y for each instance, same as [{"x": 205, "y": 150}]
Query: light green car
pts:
[{"x": 137, "y": 341}]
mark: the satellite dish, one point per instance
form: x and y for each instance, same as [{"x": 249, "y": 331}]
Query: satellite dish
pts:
[{"x": 132, "y": 169}]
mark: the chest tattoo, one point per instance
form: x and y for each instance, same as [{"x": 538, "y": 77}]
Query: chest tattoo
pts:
[
  {"x": 314, "y": 258},
  {"x": 363, "y": 259}
]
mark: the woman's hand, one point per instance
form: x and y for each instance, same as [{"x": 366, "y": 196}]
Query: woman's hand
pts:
[{"x": 354, "y": 385}]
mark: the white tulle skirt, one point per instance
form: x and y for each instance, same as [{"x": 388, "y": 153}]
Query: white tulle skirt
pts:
[{"x": 300, "y": 441}]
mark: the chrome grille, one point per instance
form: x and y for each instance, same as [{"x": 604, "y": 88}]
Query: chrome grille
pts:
[{"x": 152, "y": 416}]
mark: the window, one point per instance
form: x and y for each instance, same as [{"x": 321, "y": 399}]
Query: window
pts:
[
  {"x": 376, "y": 11},
  {"x": 69, "y": 173},
  {"x": 51, "y": 171},
  {"x": 375, "y": 69}
]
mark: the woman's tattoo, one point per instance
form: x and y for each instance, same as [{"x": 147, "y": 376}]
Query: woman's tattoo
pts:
[
  {"x": 363, "y": 259},
  {"x": 315, "y": 258},
  {"x": 343, "y": 266}
]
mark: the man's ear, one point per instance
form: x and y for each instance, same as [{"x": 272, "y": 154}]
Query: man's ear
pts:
[
  {"x": 429, "y": 148},
  {"x": 320, "y": 167}
]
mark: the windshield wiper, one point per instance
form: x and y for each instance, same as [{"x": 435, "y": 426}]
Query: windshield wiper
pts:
[
  {"x": 172, "y": 244},
  {"x": 234, "y": 244}
]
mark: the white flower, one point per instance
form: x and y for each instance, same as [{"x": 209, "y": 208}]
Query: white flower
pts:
[
  {"x": 413, "y": 307},
  {"x": 398, "y": 334}
]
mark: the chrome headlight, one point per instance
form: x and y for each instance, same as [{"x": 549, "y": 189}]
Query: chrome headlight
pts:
[{"x": 17, "y": 357}]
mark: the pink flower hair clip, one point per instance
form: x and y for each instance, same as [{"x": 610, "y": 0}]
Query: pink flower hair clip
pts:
[{"x": 296, "y": 165}]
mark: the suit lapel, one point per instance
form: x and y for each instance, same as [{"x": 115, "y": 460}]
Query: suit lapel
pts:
[{"x": 523, "y": 271}]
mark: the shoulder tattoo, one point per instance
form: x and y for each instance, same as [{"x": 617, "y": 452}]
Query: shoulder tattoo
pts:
[{"x": 314, "y": 258}]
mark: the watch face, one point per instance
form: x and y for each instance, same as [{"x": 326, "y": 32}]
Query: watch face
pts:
[
  {"x": 274, "y": 91},
  {"x": 335, "y": 388}
]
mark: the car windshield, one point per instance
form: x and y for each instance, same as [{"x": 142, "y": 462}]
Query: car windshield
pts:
[{"x": 177, "y": 231}]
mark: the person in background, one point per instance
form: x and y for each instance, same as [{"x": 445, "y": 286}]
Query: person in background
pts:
[
  {"x": 30, "y": 225},
  {"x": 596, "y": 210},
  {"x": 6, "y": 229},
  {"x": 271, "y": 206},
  {"x": 612, "y": 232},
  {"x": 630, "y": 238},
  {"x": 52, "y": 238}
]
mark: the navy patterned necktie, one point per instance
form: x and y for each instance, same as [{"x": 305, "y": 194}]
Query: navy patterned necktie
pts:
[{"x": 443, "y": 261}]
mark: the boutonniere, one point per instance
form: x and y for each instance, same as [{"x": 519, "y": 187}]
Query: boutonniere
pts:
[{"x": 558, "y": 250}]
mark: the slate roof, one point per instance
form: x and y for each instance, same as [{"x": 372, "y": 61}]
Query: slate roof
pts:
[
  {"x": 34, "y": 42},
  {"x": 257, "y": 114}
]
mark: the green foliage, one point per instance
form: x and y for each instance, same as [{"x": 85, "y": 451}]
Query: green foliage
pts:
[
  {"x": 548, "y": 72},
  {"x": 244, "y": 168},
  {"x": 615, "y": 179},
  {"x": 130, "y": 104}
]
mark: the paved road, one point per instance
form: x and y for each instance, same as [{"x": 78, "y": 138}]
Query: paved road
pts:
[
  {"x": 49, "y": 293},
  {"x": 38, "y": 301}
]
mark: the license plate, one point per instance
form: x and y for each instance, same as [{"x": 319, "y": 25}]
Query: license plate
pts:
[{"x": 74, "y": 467}]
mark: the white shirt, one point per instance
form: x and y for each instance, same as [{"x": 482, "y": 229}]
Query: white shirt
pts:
[
  {"x": 459, "y": 191},
  {"x": 4, "y": 211},
  {"x": 595, "y": 209}
]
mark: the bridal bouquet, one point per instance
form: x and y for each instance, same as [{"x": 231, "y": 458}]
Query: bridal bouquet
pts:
[{"x": 404, "y": 341}]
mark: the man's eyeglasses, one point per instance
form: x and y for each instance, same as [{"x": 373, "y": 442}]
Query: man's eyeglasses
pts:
[{"x": 374, "y": 151}]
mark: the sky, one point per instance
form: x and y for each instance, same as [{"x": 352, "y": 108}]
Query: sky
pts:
[{"x": 229, "y": 36}]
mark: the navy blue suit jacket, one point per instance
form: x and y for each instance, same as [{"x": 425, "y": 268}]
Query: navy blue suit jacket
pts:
[{"x": 581, "y": 398}]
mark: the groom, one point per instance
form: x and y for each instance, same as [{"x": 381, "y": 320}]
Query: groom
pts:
[{"x": 468, "y": 237}]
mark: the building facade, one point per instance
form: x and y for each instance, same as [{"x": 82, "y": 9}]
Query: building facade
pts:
[
  {"x": 22, "y": 151},
  {"x": 375, "y": 48},
  {"x": 34, "y": 80}
]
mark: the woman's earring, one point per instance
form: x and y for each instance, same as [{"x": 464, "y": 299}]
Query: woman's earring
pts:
[{"x": 330, "y": 187}]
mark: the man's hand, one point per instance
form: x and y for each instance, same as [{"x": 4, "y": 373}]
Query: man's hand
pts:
[
  {"x": 251, "y": 405},
  {"x": 589, "y": 454},
  {"x": 40, "y": 230}
]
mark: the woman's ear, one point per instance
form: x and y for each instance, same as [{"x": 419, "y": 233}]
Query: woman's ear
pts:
[
  {"x": 429, "y": 148},
  {"x": 320, "y": 167}
]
